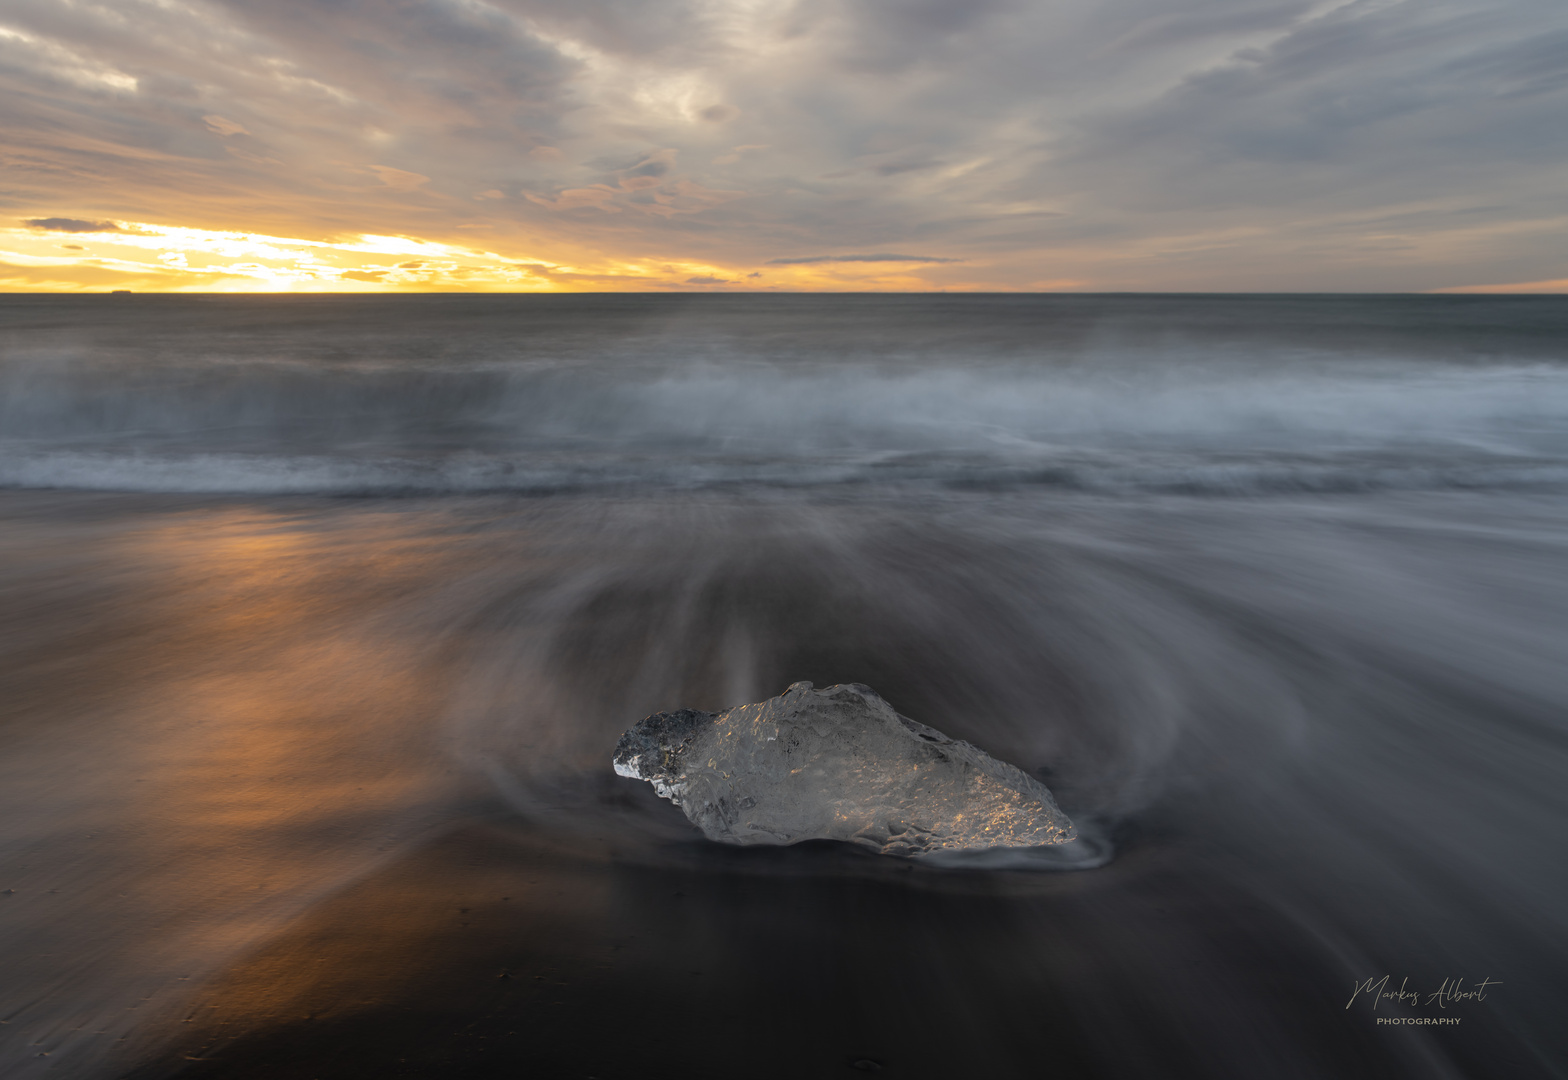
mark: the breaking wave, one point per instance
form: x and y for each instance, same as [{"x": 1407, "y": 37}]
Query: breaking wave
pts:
[
  {"x": 985, "y": 395},
  {"x": 299, "y": 432}
]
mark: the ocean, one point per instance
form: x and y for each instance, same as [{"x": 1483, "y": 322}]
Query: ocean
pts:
[{"x": 320, "y": 618}]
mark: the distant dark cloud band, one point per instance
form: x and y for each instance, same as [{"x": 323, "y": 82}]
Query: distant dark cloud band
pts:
[
  {"x": 808, "y": 260},
  {"x": 71, "y": 225}
]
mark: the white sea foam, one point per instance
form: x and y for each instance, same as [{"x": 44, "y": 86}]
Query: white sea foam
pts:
[
  {"x": 1490, "y": 428},
  {"x": 703, "y": 403}
]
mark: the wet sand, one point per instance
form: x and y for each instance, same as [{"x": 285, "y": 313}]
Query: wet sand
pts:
[
  {"x": 495, "y": 952},
  {"x": 260, "y": 756}
]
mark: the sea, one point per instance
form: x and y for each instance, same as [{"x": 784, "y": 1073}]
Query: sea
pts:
[{"x": 320, "y": 617}]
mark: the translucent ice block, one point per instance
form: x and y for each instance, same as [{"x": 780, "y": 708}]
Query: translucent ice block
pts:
[{"x": 837, "y": 764}]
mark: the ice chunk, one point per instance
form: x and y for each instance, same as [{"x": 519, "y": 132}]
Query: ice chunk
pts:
[{"x": 837, "y": 764}]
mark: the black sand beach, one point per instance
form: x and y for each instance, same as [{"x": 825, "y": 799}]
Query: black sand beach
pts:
[
  {"x": 306, "y": 710},
  {"x": 489, "y": 954}
]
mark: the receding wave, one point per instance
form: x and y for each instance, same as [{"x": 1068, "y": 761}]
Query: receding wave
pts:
[
  {"x": 262, "y": 475},
  {"x": 285, "y": 428}
]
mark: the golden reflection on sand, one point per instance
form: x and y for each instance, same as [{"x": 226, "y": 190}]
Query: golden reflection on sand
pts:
[
  {"x": 270, "y": 728},
  {"x": 294, "y": 721}
]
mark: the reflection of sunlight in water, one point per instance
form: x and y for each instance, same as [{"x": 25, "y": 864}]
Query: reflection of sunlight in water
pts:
[
  {"x": 215, "y": 716},
  {"x": 269, "y": 738}
]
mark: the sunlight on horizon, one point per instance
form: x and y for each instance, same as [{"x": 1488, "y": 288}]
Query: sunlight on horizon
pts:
[
  {"x": 149, "y": 257},
  {"x": 164, "y": 258}
]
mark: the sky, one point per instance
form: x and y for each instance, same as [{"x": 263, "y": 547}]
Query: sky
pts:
[{"x": 713, "y": 145}]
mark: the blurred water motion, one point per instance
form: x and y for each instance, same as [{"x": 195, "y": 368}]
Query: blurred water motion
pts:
[
  {"x": 199, "y": 737},
  {"x": 268, "y": 756}
]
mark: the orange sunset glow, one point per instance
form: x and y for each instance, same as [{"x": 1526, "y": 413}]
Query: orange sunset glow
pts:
[{"x": 523, "y": 145}]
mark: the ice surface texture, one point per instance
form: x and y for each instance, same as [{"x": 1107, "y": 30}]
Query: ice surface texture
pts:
[{"x": 837, "y": 764}]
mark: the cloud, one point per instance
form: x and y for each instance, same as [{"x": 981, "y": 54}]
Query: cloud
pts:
[
  {"x": 809, "y": 260},
  {"x": 1123, "y": 144},
  {"x": 598, "y": 197},
  {"x": 737, "y": 152},
  {"x": 399, "y": 179},
  {"x": 71, "y": 225},
  {"x": 224, "y": 126},
  {"x": 893, "y": 168},
  {"x": 707, "y": 279},
  {"x": 1371, "y": 102},
  {"x": 364, "y": 275},
  {"x": 652, "y": 166},
  {"x": 647, "y": 184},
  {"x": 1559, "y": 285}
]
